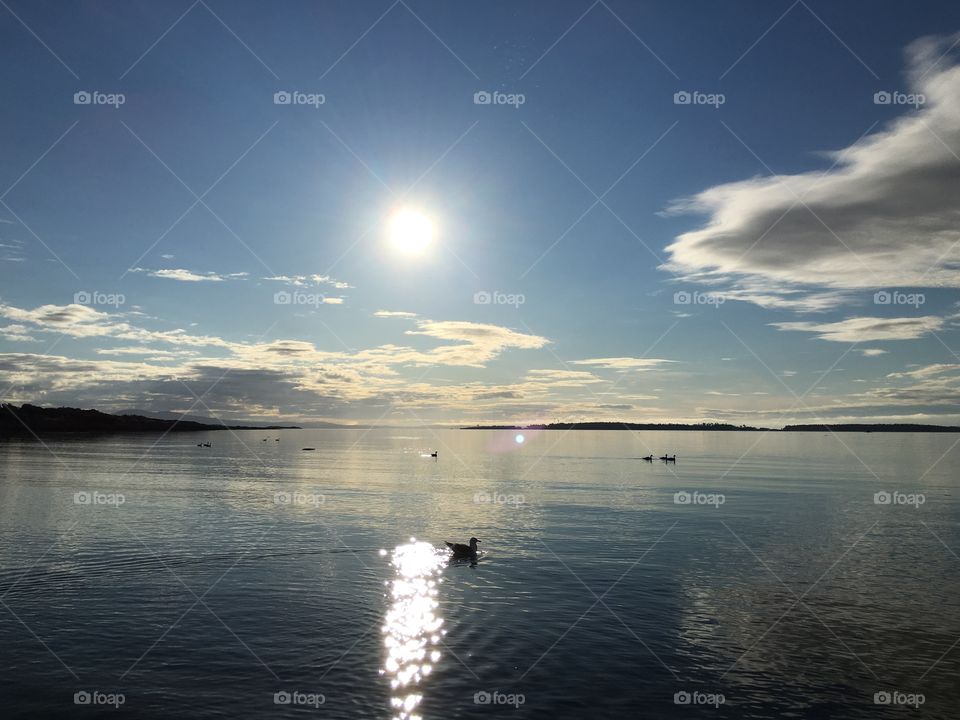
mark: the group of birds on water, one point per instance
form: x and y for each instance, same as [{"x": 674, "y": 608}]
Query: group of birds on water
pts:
[
  {"x": 461, "y": 551},
  {"x": 665, "y": 458}
]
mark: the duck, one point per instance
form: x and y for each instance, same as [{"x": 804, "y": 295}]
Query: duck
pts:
[
  {"x": 669, "y": 458},
  {"x": 648, "y": 458},
  {"x": 208, "y": 444},
  {"x": 434, "y": 453},
  {"x": 464, "y": 552}
]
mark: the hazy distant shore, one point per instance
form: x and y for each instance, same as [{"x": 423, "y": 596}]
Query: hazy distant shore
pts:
[
  {"x": 29, "y": 420},
  {"x": 722, "y": 427}
]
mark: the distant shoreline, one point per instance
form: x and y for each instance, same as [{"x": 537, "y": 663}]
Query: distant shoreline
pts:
[
  {"x": 722, "y": 427},
  {"x": 30, "y": 420}
]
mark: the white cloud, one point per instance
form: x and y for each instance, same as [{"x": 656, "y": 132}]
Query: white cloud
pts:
[
  {"x": 867, "y": 329},
  {"x": 304, "y": 280},
  {"x": 189, "y": 275},
  {"x": 82, "y": 321},
  {"x": 563, "y": 378},
  {"x": 927, "y": 371},
  {"x": 476, "y": 343},
  {"x": 394, "y": 314},
  {"x": 872, "y": 352},
  {"x": 16, "y": 333},
  {"x": 142, "y": 350},
  {"x": 624, "y": 363},
  {"x": 884, "y": 216}
]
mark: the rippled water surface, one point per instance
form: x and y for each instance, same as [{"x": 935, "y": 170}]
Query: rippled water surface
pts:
[{"x": 253, "y": 579}]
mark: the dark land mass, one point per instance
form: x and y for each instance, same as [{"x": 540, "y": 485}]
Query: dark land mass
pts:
[
  {"x": 33, "y": 420},
  {"x": 854, "y": 427},
  {"x": 857, "y": 427},
  {"x": 618, "y": 426}
]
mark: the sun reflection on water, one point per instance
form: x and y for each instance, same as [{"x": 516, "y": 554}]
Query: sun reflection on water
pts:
[{"x": 412, "y": 628}]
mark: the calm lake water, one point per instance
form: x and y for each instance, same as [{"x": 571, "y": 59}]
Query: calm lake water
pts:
[{"x": 252, "y": 579}]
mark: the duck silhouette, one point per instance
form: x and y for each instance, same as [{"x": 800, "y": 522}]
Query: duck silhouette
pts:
[
  {"x": 464, "y": 552},
  {"x": 648, "y": 458},
  {"x": 668, "y": 458}
]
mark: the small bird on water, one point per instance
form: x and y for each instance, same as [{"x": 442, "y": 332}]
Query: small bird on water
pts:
[{"x": 464, "y": 552}]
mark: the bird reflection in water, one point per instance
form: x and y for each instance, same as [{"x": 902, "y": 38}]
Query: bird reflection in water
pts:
[{"x": 412, "y": 628}]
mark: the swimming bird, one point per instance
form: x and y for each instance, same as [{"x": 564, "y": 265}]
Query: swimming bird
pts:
[
  {"x": 668, "y": 458},
  {"x": 461, "y": 551},
  {"x": 648, "y": 458},
  {"x": 434, "y": 453}
]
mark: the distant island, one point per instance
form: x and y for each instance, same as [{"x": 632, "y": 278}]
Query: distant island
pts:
[
  {"x": 723, "y": 427},
  {"x": 33, "y": 420},
  {"x": 872, "y": 427},
  {"x": 618, "y": 426}
]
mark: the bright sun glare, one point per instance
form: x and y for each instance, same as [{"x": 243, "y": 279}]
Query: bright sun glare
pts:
[{"x": 411, "y": 231}]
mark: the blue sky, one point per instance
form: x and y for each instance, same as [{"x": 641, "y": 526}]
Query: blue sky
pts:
[{"x": 144, "y": 243}]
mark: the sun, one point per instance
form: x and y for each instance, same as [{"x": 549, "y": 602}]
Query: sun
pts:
[{"x": 411, "y": 231}]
